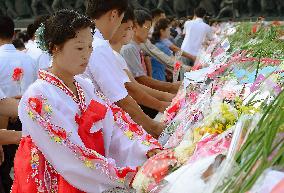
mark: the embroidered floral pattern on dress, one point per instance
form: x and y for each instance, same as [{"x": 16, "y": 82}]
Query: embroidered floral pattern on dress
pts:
[
  {"x": 43, "y": 173},
  {"x": 93, "y": 160},
  {"x": 52, "y": 79},
  {"x": 131, "y": 129}
]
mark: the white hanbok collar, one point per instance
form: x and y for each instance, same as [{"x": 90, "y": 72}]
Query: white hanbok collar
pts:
[{"x": 54, "y": 80}]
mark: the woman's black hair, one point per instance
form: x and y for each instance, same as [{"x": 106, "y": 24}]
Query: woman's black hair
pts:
[
  {"x": 162, "y": 24},
  {"x": 97, "y": 8},
  {"x": 62, "y": 26}
]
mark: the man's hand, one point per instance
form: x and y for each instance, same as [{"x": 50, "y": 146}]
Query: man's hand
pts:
[
  {"x": 175, "y": 86},
  {"x": 187, "y": 68},
  {"x": 153, "y": 152},
  {"x": 1, "y": 155},
  {"x": 157, "y": 129},
  {"x": 164, "y": 106}
]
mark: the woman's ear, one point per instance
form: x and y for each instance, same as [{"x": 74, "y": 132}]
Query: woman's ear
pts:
[{"x": 55, "y": 49}]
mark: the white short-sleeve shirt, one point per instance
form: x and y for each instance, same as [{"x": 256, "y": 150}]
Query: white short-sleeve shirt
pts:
[
  {"x": 11, "y": 60},
  {"x": 2, "y": 95},
  {"x": 104, "y": 71},
  {"x": 42, "y": 60},
  {"x": 195, "y": 33},
  {"x": 121, "y": 61}
]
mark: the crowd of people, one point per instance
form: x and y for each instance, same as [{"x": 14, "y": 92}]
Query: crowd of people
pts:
[
  {"x": 79, "y": 94},
  {"x": 26, "y": 8},
  {"x": 215, "y": 8},
  {"x": 177, "y": 8}
]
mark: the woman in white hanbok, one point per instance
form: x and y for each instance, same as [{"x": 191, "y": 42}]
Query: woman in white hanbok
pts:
[{"x": 74, "y": 140}]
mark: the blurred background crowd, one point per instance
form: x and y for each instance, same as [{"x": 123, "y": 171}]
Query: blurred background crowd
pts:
[{"x": 19, "y": 9}]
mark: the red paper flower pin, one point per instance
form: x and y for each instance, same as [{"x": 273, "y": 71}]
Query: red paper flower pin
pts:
[{"x": 17, "y": 74}]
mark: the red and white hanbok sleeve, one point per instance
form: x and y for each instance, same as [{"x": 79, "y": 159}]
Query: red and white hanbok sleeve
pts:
[{"x": 56, "y": 136}]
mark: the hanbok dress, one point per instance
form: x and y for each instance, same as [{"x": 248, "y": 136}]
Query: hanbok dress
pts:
[{"x": 76, "y": 145}]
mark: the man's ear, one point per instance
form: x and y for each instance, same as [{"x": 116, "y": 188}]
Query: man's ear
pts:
[
  {"x": 134, "y": 28},
  {"x": 113, "y": 15}
]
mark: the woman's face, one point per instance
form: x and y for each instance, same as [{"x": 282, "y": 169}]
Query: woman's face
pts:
[
  {"x": 73, "y": 56},
  {"x": 165, "y": 33}
]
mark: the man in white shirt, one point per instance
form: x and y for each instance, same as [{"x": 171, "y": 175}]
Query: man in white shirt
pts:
[
  {"x": 152, "y": 101},
  {"x": 17, "y": 68},
  {"x": 196, "y": 32},
  {"x": 42, "y": 59},
  {"x": 103, "y": 68},
  {"x": 18, "y": 72}
]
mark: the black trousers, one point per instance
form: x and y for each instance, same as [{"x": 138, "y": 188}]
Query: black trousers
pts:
[
  {"x": 9, "y": 155},
  {"x": 150, "y": 112}
]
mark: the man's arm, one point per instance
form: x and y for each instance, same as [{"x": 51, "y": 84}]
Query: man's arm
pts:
[
  {"x": 148, "y": 64},
  {"x": 143, "y": 98},
  {"x": 9, "y": 107},
  {"x": 8, "y": 137},
  {"x": 129, "y": 105},
  {"x": 160, "y": 95},
  {"x": 155, "y": 52},
  {"x": 174, "y": 48},
  {"x": 159, "y": 85}
]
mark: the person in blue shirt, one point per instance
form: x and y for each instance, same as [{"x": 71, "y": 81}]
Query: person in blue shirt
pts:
[{"x": 160, "y": 38}]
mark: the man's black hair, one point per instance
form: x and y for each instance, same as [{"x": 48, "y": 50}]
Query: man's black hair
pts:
[
  {"x": 97, "y": 8},
  {"x": 128, "y": 15},
  {"x": 31, "y": 29},
  {"x": 6, "y": 27},
  {"x": 157, "y": 12},
  {"x": 18, "y": 43},
  {"x": 200, "y": 12},
  {"x": 141, "y": 17}
]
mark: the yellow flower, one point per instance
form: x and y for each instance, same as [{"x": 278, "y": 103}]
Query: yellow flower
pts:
[
  {"x": 31, "y": 115},
  {"x": 147, "y": 143},
  {"x": 35, "y": 158},
  {"x": 47, "y": 108},
  {"x": 129, "y": 134},
  {"x": 121, "y": 180},
  {"x": 197, "y": 134},
  {"x": 57, "y": 139},
  {"x": 89, "y": 164}
]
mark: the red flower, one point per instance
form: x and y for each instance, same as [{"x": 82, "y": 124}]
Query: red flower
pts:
[
  {"x": 122, "y": 173},
  {"x": 35, "y": 104},
  {"x": 254, "y": 28},
  {"x": 175, "y": 108},
  {"x": 158, "y": 166},
  {"x": 177, "y": 66},
  {"x": 17, "y": 74}
]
